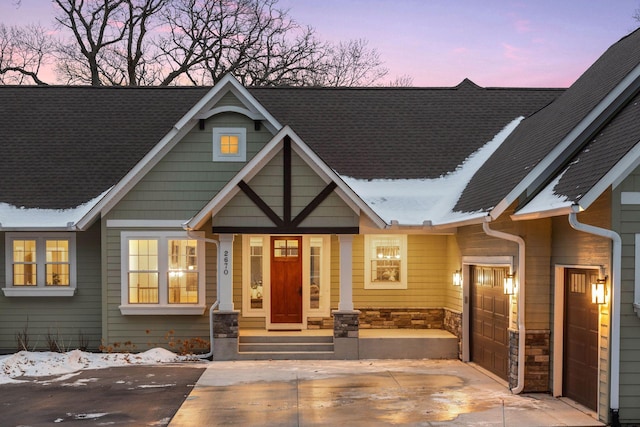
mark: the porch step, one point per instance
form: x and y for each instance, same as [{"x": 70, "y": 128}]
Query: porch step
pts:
[{"x": 286, "y": 346}]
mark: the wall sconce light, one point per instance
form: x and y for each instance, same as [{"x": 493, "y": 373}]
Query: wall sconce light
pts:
[
  {"x": 509, "y": 285},
  {"x": 598, "y": 292},
  {"x": 457, "y": 278}
]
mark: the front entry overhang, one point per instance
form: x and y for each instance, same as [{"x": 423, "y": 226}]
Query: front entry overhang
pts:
[{"x": 287, "y": 215}]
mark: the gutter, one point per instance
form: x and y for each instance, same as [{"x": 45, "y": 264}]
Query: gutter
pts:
[
  {"x": 616, "y": 270},
  {"x": 521, "y": 295},
  {"x": 217, "y": 301}
]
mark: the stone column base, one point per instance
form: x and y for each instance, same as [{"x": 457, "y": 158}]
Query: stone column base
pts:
[
  {"x": 345, "y": 334},
  {"x": 225, "y": 335}
]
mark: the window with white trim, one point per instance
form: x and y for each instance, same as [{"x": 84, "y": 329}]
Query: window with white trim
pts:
[
  {"x": 42, "y": 264},
  {"x": 162, "y": 273},
  {"x": 385, "y": 261},
  {"x": 229, "y": 144}
]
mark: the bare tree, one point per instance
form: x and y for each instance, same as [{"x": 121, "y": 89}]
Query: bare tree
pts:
[
  {"x": 352, "y": 63},
  {"x": 23, "y": 53},
  {"x": 253, "y": 39},
  {"x": 169, "y": 42},
  {"x": 95, "y": 25},
  {"x": 404, "y": 80}
]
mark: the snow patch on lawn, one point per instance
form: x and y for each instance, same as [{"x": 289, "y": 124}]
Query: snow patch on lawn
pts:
[{"x": 46, "y": 363}]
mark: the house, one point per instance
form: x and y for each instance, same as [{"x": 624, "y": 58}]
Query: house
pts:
[{"x": 497, "y": 225}]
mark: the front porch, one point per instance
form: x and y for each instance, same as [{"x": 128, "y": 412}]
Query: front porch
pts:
[{"x": 256, "y": 344}]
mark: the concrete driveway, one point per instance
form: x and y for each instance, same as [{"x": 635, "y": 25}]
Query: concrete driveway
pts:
[{"x": 365, "y": 393}]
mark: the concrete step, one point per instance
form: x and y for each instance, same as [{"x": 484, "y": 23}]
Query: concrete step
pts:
[
  {"x": 286, "y": 355},
  {"x": 250, "y": 339},
  {"x": 285, "y": 347},
  {"x": 285, "y": 344}
]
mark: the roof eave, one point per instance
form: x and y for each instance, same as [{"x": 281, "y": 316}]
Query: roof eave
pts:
[
  {"x": 178, "y": 131},
  {"x": 537, "y": 174}
]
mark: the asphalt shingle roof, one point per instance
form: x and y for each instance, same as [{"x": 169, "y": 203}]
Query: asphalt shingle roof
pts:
[
  {"x": 540, "y": 133},
  {"x": 601, "y": 153},
  {"x": 398, "y": 133},
  {"x": 63, "y": 146}
]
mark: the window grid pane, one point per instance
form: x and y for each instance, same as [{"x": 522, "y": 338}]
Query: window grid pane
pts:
[
  {"x": 385, "y": 260},
  {"x": 183, "y": 271},
  {"x": 24, "y": 263},
  {"x": 229, "y": 144},
  {"x": 255, "y": 245},
  {"x": 314, "y": 272},
  {"x": 143, "y": 272},
  {"x": 57, "y": 264}
]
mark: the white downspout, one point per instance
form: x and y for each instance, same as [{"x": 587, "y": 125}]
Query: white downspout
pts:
[
  {"x": 521, "y": 288},
  {"x": 616, "y": 269},
  {"x": 217, "y": 301}
]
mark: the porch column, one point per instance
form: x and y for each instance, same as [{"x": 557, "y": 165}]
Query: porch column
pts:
[
  {"x": 225, "y": 286},
  {"x": 346, "y": 273}
]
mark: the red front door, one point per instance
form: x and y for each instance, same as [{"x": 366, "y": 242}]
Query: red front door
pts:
[{"x": 286, "y": 280}]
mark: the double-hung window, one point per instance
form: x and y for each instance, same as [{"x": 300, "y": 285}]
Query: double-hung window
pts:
[
  {"x": 385, "y": 261},
  {"x": 40, "y": 264},
  {"x": 162, "y": 273}
]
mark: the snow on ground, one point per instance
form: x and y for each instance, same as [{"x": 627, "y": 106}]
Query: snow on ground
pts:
[{"x": 46, "y": 363}]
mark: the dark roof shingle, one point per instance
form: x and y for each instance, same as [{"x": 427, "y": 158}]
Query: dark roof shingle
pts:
[
  {"x": 63, "y": 146},
  {"x": 538, "y": 135},
  {"x": 396, "y": 133}
]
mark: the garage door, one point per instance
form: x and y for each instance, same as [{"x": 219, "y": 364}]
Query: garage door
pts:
[
  {"x": 490, "y": 320},
  {"x": 580, "y": 370}
]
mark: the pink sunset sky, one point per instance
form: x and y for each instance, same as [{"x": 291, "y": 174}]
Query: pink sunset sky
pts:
[{"x": 527, "y": 43}]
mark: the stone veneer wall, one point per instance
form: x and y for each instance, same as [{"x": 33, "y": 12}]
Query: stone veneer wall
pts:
[
  {"x": 319, "y": 322},
  {"x": 397, "y": 318},
  {"x": 513, "y": 357},
  {"x": 537, "y": 369},
  {"x": 401, "y": 318},
  {"x": 453, "y": 324}
]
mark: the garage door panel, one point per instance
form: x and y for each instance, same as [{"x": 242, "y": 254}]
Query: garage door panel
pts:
[
  {"x": 580, "y": 364},
  {"x": 489, "y": 323}
]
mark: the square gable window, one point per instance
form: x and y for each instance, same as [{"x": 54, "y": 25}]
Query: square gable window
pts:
[{"x": 229, "y": 144}]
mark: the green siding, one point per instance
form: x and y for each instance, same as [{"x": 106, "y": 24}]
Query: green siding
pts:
[
  {"x": 145, "y": 331},
  {"x": 66, "y": 317},
  {"x": 176, "y": 188},
  {"x": 187, "y": 178},
  {"x": 627, "y": 223},
  {"x": 229, "y": 100}
]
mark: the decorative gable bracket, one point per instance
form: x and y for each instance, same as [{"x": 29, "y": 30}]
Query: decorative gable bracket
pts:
[{"x": 286, "y": 224}]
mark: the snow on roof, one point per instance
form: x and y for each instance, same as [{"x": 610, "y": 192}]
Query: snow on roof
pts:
[
  {"x": 414, "y": 201},
  {"x": 19, "y": 217},
  {"x": 547, "y": 199}
]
